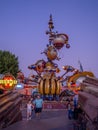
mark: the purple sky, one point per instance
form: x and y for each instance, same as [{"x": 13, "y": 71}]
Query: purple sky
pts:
[{"x": 23, "y": 24}]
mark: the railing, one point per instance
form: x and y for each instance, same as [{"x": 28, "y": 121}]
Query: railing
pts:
[
  {"x": 95, "y": 122},
  {"x": 9, "y": 108},
  {"x": 85, "y": 122}
]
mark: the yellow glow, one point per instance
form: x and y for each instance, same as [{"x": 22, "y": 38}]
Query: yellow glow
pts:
[{"x": 10, "y": 82}]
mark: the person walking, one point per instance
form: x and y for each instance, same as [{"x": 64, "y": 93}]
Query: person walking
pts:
[
  {"x": 29, "y": 110},
  {"x": 69, "y": 107},
  {"x": 75, "y": 99},
  {"x": 38, "y": 103}
]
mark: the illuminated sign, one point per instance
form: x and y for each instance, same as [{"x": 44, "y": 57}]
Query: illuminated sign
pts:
[{"x": 8, "y": 81}]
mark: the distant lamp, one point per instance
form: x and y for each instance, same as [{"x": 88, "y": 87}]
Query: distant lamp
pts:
[
  {"x": 64, "y": 67},
  {"x": 19, "y": 86}
]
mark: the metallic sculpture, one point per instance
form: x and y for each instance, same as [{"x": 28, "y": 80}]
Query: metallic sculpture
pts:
[{"x": 48, "y": 82}]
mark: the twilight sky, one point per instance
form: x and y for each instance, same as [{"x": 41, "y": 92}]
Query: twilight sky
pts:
[{"x": 23, "y": 24}]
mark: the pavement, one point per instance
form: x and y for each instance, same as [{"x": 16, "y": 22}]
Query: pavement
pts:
[{"x": 50, "y": 120}]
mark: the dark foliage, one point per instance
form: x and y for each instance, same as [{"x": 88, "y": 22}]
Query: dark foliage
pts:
[{"x": 8, "y": 63}]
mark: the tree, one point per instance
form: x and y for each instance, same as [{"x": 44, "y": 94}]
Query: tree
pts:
[{"x": 8, "y": 63}]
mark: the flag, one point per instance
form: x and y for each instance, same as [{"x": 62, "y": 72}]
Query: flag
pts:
[{"x": 81, "y": 67}]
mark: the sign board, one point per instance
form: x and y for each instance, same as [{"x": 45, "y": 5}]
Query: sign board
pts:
[{"x": 8, "y": 81}]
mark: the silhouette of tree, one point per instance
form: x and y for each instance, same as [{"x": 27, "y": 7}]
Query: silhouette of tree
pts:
[{"x": 8, "y": 63}]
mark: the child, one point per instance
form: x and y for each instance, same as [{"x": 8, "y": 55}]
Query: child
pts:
[{"x": 29, "y": 110}]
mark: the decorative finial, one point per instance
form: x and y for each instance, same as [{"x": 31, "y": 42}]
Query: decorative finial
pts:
[{"x": 50, "y": 23}]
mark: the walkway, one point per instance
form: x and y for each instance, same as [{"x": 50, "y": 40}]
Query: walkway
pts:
[{"x": 50, "y": 120}]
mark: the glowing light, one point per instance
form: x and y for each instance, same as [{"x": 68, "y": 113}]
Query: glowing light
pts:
[
  {"x": 19, "y": 86},
  {"x": 8, "y": 81}
]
